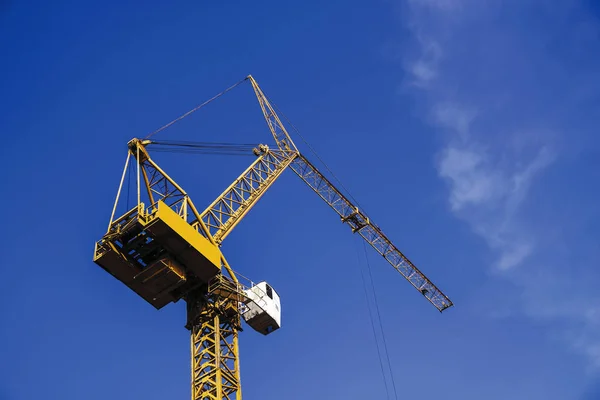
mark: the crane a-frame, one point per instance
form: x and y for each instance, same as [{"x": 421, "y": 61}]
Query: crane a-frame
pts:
[{"x": 165, "y": 250}]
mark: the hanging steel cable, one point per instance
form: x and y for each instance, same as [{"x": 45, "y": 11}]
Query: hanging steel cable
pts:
[{"x": 189, "y": 147}]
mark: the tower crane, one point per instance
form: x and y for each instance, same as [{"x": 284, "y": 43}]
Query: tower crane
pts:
[{"x": 165, "y": 250}]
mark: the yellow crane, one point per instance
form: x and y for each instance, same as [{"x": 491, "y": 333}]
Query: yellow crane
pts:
[{"x": 165, "y": 250}]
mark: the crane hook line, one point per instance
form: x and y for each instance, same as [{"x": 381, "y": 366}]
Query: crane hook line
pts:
[
  {"x": 196, "y": 108},
  {"x": 379, "y": 350},
  {"x": 387, "y": 354}
]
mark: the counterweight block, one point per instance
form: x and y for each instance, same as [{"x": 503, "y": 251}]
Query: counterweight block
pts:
[{"x": 157, "y": 254}]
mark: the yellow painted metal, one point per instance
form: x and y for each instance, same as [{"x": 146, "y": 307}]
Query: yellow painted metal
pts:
[
  {"x": 214, "y": 324},
  {"x": 239, "y": 198},
  {"x": 153, "y": 277},
  {"x": 158, "y": 253},
  {"x": 188, "y": 234},
  {"x": 362, "y": 225},
  {"x": 213, "y": 316},
  {"x": 213, "y": 320},
  {"x": 280, "y": 134},
  {"x": 349, "y": 213},
  {"x": 156, "y": 178}
]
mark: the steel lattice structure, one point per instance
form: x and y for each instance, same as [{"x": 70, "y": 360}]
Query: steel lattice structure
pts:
[
  {"x": 362, "y": 225},
  {"x": 347, "y": 211},
  {"x": 155, "y": 249},
  {"x": 214, "y": 323},
  {"x": 231, "y": 206}
]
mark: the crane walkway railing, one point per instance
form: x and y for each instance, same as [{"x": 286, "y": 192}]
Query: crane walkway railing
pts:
[{"x": 223, "y": 286}]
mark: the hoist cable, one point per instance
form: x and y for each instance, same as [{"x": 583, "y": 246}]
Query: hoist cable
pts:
[
  {"x": 368, "y": 265},
  {"x": 195, "y": 109},
  {"x": 362, "y": 275},
  {"x": 188, "y": 147},
  {"x": 184, "y": 143},
  {"x": 208, "y": 152},
  {"x": 387, "y": 354}
]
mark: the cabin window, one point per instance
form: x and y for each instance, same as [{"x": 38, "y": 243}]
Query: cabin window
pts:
[{"x": 269, "y": 291}]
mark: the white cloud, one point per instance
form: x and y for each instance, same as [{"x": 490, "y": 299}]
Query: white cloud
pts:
[
  {"x": 488, "y": 179},
  {"x": 472, "y": 181},
  {"x": 488, "y": 194},
  {"x": 500, "y": 100},
  {"x": 424, "y": 69},
  {"x": 514, "y": 254},
  {"x": 454, "y": 117},
  {"x": 424, "y": 72}
]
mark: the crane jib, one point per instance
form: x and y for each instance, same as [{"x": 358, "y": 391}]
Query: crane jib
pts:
[
  {"x": 361, "y": 224},
  {"x": 348, "y": 212}
]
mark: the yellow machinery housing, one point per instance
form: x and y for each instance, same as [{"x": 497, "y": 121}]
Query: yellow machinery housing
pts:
[
  {"x": 156, "y": 253},
  {"x": 170, "y": 251}
]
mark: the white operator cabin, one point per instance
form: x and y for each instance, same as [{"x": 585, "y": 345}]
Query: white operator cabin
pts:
[{"x": 263, "y": 311}]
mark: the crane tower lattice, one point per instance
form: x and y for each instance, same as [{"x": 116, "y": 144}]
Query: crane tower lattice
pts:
[{"x": 165, "y": 250}]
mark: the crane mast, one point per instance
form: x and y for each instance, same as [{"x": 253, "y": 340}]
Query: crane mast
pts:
[
  {"x": 214, "y": 319},
  {"x": 143, "y": 257},
  {"x": 165, "y": 250}
]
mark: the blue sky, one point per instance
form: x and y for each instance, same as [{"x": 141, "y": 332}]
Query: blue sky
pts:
[{"x": 465, "y": 128}]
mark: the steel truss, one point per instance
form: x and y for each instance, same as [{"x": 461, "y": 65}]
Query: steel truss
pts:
[
  {"x": 361, "y": 224},
  {"x": 347, "y": 211},
  {"x": 213, "y": 320},
  {"x": 231, "y": 206},
  {"x": 214, "y": 323}
]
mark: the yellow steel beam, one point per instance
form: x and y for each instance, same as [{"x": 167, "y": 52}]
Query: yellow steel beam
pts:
[
  {"x": 280, "y": 134},
  {"x": 235, "y": 202},
  {"x": 348, "y": 212},
  {"x": 213, "y": 321},
  {"x": 214, "y": 324}
]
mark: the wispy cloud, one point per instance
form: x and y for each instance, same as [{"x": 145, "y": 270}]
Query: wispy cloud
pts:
[{"x": 503, "y": 87}]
